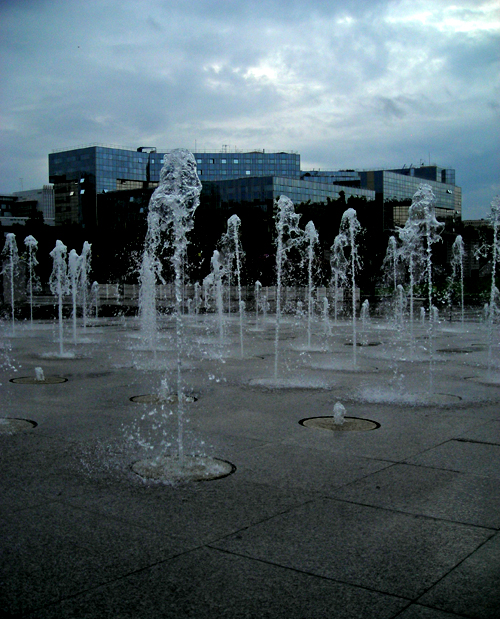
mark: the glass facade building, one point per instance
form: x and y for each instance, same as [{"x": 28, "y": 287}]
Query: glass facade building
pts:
[
  {"x": 112, "y": 169},
  {"x": 393, "y": 186},
  {"x": 263, "y": 191},
  {"x": 80, "y": 174}
]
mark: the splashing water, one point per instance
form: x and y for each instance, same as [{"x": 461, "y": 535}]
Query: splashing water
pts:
[
  {"x": 74, "y": 265},
  {"x": 312, "y": 240},
  {"x": 338, "y": 266},
  {"x": 33, "y": 281},
  {"x": 494, "y": 219},
  {"x": 349, "y": 230},
  {"x": 171, "y": 211},
  {"x": 231, "y": 245},
  {"x": 39, "y": 375},
  {"x": 257, "y": 289},
  {"x": 289, "y": 235},
  {"x": 422, "y": 218},
  {"x": 94, "y": 297},
  {"x": 85, "y": 258},
  {"x": 339, "y": 412},
  {"x": 59, "y": 285},
  {"x": 10, "y": 270}
]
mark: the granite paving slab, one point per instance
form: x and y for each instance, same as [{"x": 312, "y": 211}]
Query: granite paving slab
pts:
[
  {"x": 463, "y": 455},
  {"x": 429, "y": 492},
  {"x": 207, "y": 583},
  {"x": 472, "y": 589},
  {"x": 371, "y": 547}
]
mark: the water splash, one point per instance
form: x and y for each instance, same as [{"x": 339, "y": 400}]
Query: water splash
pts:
[
  {"x": 312, "y": 239},
  {"x": 338, "y": 266},
  {"x": 59, "y": 285},
  {"x": 10, "y": 270},
  {"x": 349, "y": 231},
  {"x": 33, "y": 284},
  {"x": 289, "y": 235},
  {"x": 171, "y": 212}
]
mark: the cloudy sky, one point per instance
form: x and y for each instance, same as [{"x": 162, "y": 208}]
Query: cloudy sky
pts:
[{"x": 346, "y": 83}]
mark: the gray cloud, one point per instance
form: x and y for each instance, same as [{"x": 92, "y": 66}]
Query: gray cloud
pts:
[{"x": 346, "y": 84}]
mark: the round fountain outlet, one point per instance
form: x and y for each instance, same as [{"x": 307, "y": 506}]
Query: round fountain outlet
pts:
[
  {"x": 351, "y": 424},
  {"x": 31, "y": 380},
  {"x": 151, "y": 398},
  {"x": 11, "y": 426},
  {"x": 191, "y": 468}
]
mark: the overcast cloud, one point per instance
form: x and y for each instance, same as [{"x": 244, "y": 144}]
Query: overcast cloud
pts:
[{"x": 347, "y": 84}]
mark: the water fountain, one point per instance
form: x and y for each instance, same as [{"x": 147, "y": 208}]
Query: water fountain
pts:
[
  {"x": 59, "y": 285},
  {"x": 338, "y": 266},
  {"x": 94, "y": 298},
  {"x": 33, "y": 284},
  {"x": 349, "y": 230},
  {"x": 422, "y": 217},
  {"x": 171, "y": 213},
  {"x": 257, "y": 293},
  {"x": 10, "y": 271},
  {"x": 289, "y": 236},
  {"x": 233, "y": 253},
  {"x": 312, "y": 239},
  {"x": 494, "y": 219},
  {"x": 74, "y": 265},
  {"x": 84, "y": 279}
]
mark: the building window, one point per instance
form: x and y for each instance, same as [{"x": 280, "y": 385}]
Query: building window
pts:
[
  {"x": 235, "y": 161},
  {"x": 247, "y": 172},
  {"x": 223, "y": 161}
]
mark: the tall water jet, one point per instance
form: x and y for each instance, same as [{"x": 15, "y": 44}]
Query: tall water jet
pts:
[
  {"x": 338, "y": 266},
  {"x": 349, "y": 230},
  {"x": 390, "y": 263},
  {"x": 411, "y": 253},
  {"x": 231, "y": 246},
  {"x": 197, "y": 298},
  {"x": 59, "y": 285},
  {"x": 150, "y": 270},
  {"x": 85, "y": 257},
  {"x": 422, "y": 217},
  {"x": 289, "y": 235},
  {"x": 94, "y": 298},
  {"x": 257, "y": 289},
  {"x": 10, "y": 270},
  {"x": 74, "y": 265},
  {"x": 457, "y": 265},
  {"x": 494, "y": 219},
  {"x": 33, "y": 281},
  {"x": 171, "y": 211},
  {"x": 215, "y": 280},
  {"x": 312, "y": 240}
]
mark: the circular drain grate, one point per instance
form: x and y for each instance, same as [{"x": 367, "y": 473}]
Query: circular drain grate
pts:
[
  {"x": 192, "y": 468},
  {"x": 10, "y": 426},
  {"x": 151, "y": 398},
  {"x": 351, "y": 424},
  {"x": 31, "y": 380},
  {"x": 363, "y": 343}
]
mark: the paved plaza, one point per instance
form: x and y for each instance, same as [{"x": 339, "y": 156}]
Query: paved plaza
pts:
[{"x": 399, "y": 521}]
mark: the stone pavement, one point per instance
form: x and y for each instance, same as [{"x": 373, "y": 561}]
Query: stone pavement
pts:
[{"x": 402, "y": 521}]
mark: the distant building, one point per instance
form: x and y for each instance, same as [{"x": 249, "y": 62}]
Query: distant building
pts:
[
  {"x": 44, "y": 199},
  {"x": 396, "y": 187},
  {"x": 80, "y": 174}
]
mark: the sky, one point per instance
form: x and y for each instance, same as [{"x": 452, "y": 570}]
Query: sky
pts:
[{"x": 364, "y": 84}]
